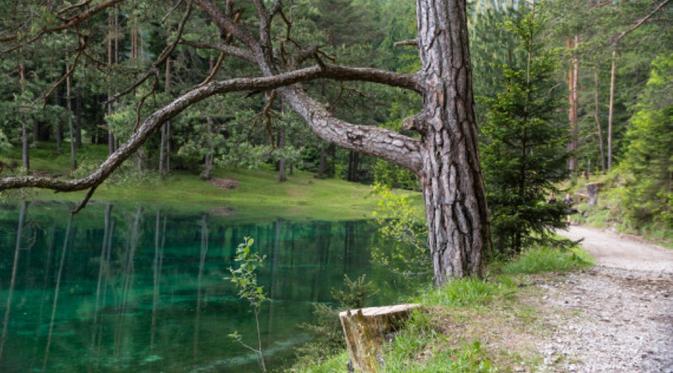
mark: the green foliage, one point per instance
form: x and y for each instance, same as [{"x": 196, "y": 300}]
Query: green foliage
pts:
[
  {"x": 648, "y": 162},
  {"x": 405, "y": 232},
  {"x": 523, "y": 149},
  {"x": 244, "y": 277}
]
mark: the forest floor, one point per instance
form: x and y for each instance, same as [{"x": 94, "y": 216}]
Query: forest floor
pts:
[{"x": 614, "y": 317}]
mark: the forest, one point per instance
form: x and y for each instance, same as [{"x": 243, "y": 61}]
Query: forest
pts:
[{"x": 204, "y": 185}]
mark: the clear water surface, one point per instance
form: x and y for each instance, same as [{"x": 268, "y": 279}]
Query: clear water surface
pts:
[{"x": 137, "y": 289}]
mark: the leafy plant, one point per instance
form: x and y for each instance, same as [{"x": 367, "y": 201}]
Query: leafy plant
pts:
[
  {"x": 245, "y": 280},
  {"x": 405, "y": 233}
]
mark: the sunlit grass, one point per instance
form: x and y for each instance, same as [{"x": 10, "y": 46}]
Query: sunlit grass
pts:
[{"x": 259, "y": 195}]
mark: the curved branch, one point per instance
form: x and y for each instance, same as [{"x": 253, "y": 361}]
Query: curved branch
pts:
[
  {"x": 372, "y": 140},
  {"x": 156, "y": 119}
]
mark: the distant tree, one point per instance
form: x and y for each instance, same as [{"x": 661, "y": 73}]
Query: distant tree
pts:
[
  {"x": 648, "y": 161},
  {"x": 523, "y": 145}
]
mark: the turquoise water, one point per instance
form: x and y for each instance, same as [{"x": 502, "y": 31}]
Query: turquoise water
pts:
[{"x": 137, "y": 289}]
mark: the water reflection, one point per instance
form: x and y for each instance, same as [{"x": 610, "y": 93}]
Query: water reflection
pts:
[{"x": 119, "y": 289}]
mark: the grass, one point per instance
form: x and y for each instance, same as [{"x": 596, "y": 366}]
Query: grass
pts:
[
  {"x": 473, "y": 325},
  {"x": 259, "y": 195}
]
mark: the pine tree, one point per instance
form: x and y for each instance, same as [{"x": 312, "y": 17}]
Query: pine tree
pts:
[
  {"x": 648, "y": 162},
  {"x": 523, "y": 147}
]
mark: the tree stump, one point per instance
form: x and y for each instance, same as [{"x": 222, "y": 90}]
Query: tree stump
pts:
[
  {"x": 365, "y": 330},
  {"x": 592, "y": 191}
]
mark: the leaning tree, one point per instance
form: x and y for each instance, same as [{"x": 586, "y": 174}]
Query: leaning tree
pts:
[{"x": 444, "y": 154}]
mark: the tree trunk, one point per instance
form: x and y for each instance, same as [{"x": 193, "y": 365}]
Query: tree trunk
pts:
[
  {"x": 611, "y": 104},
  {"x": 597, "y": 119},
  {"x": 78, "y": 119},
  {"x": 164, "y": 151},
  {"x": 25, "y": 158},
  {"x": 322, "y": 166},
  {"x": 573, "y": 72},
  {"x": 455, "y": 200},
  {"x": 207, "y": 172},
  {"x": 353, "y": 165},
  {"x": 282, "y": 177},
  {"x": 111, "y": 58},
  {"x": 71, "y": 128}
]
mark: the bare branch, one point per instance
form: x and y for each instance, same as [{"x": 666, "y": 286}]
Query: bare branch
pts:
[
  {"x": 617, "y": 38},
  {"x": 406, "y": 43},
  {"x": 225, "y": 48},
  {"x": 165, "y": 53}
]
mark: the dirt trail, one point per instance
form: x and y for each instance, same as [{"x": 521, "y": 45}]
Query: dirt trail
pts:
[{"x": 615, "y": 317}]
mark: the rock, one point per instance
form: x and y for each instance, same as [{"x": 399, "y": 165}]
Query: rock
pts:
[{"x": 365, "y": 330}]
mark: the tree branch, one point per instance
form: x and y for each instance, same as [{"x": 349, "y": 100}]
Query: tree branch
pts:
[
  {"x": 381, "y": 138},
  {"x": 617, "y": 38}
]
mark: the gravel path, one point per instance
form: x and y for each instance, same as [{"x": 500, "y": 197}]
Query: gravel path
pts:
[{"x": 616, "y": 317}]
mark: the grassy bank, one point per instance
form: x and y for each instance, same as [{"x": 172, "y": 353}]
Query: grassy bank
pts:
[
  {"x": 472, "y": 325},
  {"x": 259, "y": 194}
]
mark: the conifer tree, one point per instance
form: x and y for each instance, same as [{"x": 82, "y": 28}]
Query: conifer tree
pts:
[{"x": 523, "y": 147}]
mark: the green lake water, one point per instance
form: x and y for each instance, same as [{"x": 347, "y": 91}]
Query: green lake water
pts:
[{"x": 137, "y": 289}]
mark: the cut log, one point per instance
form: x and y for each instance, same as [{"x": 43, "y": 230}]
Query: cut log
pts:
[{"x": 366, "y": 329}]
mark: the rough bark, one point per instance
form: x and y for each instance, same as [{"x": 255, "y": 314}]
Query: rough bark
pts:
[{"x": 450, "y": 171}]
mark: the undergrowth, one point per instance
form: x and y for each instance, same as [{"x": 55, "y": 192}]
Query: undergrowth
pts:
[{"x": 425, "y": 345}]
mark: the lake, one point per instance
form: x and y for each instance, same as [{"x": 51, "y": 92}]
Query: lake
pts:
[{"x": 140, "y": 289}]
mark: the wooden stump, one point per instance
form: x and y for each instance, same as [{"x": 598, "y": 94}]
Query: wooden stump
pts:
[
  {"x": 592, "y": 191},
  {"x": 365, "y": 330}
]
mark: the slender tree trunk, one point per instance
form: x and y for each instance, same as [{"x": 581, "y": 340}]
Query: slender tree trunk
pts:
[
  {"x": 597, "y": 119},
  {"x": 71, "y": 128},
  {"x": 112, "y": 45},
  {"x": 164, "y": 151},
  {"x": 453, "y": 189},
  {"x": 207, "y": 172},
  {"x": 573, "y": 72},
  {"x": 25, "y": 145},
  {"x": 611, "y": 104},
  {"x": 58, "y": 129},
  {"x": 322, "y": 166},
  {"x": 78, "y": 119},
  {"x": 353, "y": 165},
  {"x": 282, "y": 177}
]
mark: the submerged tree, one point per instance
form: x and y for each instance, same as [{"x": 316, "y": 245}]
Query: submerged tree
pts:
[
  {"x": 523, "y": 148},
  {"x": 443, "y": 154}
]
